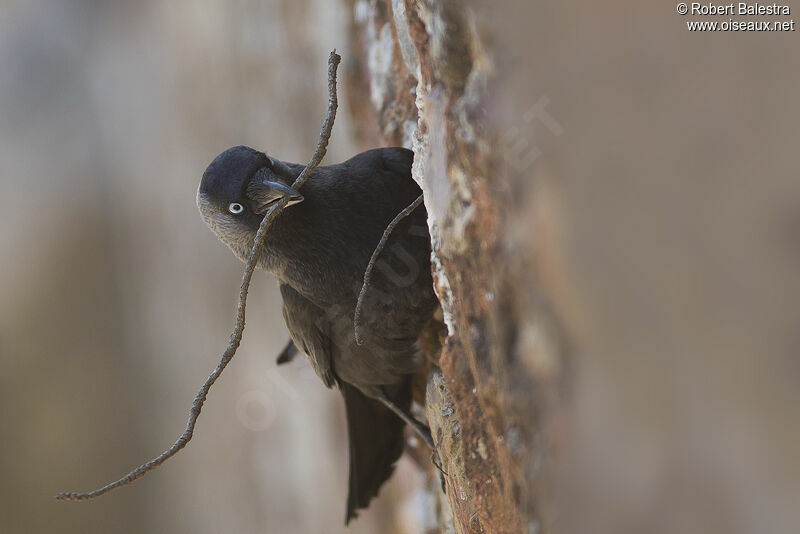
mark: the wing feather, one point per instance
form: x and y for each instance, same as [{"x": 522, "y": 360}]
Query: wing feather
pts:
[{"x": 308, "y": 327}]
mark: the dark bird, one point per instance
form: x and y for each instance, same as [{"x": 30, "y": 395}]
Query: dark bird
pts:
[{"x": 318, "y": 248}]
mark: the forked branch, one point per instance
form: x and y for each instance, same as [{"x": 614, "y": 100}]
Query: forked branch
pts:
[{"x": 238, "y": 330}]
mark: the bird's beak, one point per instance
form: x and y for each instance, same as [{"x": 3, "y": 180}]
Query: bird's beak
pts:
[
  {"x": 286, "y": 191},
  {"x": 265, "y": 192}
]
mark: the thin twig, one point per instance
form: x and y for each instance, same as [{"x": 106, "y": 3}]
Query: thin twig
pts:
[
  {"x": 236, "y": 335},
  {"x": 371, "y": 265}
]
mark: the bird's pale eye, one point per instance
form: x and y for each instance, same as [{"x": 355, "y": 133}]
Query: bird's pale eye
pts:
[{"x": 235, "y": 208}]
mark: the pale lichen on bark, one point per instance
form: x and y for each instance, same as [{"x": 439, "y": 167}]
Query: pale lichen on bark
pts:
[{"x": 500, "y": 366}]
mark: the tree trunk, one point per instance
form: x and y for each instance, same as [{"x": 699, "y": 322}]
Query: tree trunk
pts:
[{"x": 419, "y": 77}]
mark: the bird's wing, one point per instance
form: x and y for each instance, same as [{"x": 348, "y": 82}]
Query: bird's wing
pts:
[{"x": 308, "y": 327}]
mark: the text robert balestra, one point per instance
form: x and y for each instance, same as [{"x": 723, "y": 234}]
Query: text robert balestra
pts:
[{"x": 741, "y": 8}]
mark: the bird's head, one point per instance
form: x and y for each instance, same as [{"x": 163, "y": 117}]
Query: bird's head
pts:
[{"x": 237, "y": 189}]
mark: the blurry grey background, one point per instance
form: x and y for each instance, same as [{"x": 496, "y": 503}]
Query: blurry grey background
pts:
[
  {"x": 669, "y": 236},
  {"x": 116, "y": 301}
]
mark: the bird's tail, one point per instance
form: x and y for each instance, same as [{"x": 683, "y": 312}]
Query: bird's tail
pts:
[{"x": 376, "y": 442}]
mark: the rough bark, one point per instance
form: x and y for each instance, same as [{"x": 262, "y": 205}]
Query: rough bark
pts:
[{"x": 418, "y": 76}]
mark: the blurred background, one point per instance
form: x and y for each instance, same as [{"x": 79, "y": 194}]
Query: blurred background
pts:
[
  {"x": 666, "y": 230},
  {"x": 670, "y": 210}
]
